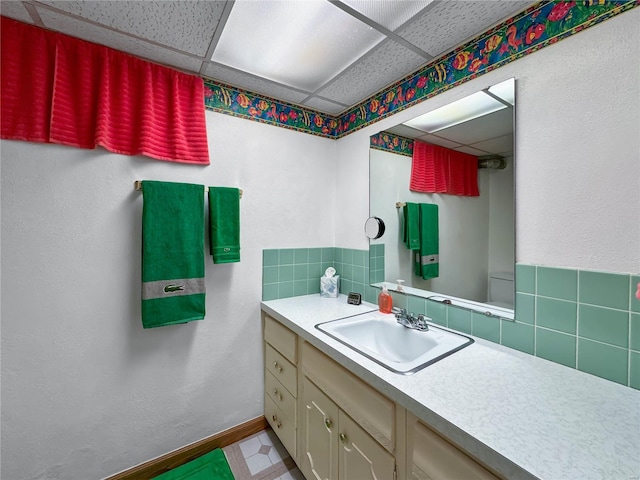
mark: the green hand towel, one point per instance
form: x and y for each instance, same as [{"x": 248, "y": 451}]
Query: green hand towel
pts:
[
  {"x": 411, "y": 231},
  {"x": 224, "y": 222},
  {"x": 210, "y": 466},
  {"x": 427, "y": 259},
  {"x": 173, "y": 287}
]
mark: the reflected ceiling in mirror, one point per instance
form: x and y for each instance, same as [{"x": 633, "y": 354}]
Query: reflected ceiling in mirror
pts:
[{"x": 476, "y": 234}]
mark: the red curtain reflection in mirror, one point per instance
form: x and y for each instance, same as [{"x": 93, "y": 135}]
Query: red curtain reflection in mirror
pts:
[{"x": 437, "y": 169}]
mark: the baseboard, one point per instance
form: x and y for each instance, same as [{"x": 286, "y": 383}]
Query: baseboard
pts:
[{"x": 174, "y": 459}]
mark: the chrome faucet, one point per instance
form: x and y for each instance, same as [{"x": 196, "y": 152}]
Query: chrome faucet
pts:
[{"x": 409, "y": 320}]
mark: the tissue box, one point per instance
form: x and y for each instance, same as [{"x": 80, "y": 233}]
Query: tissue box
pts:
[{"x": 330, "y": 286}]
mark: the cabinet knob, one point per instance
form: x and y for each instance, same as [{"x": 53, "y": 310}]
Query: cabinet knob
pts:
[
  {"x": 274, "y": 417},
  {"x": 277, "y": 394},
  {"x": 328, "y": 422},
  {"x": 277, "y": 366},
  {"x": 343, "y": 438}
]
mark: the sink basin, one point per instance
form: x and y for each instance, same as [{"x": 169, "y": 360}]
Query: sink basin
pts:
[{"x": 395, "y": 347}]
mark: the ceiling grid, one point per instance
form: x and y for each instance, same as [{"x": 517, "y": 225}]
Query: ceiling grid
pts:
[{"x": 377, "y": 41}]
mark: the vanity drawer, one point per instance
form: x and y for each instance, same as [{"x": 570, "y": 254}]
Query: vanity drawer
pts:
[
  {"x": 281, "y": 368},
  {"x": 280, "y": 396},
  {"x": 282, "y": 339},
  {"x": 431, "y": 456},
  {"x": 372, "y": 410},
  {"x": 283, "y": 426}
]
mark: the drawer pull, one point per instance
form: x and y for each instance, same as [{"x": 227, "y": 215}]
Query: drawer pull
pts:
[
  {"x": 277, "y": 394},
  {"x": 343, "y": 438},
  {"x": 277, "y": 366},
  {"x": 328, "y": 423},
  {"x": 274, "y": 417}
]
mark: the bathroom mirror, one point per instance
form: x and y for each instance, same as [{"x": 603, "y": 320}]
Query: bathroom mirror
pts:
[{"x": 476, "y": 234}]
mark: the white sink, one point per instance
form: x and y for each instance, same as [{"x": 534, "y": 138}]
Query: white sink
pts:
[{"x": 398, "y": 348}]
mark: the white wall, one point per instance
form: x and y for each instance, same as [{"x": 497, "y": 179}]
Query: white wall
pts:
[
  {"x": 86, "y": 392},
  {"x": 577, "y": 150}
]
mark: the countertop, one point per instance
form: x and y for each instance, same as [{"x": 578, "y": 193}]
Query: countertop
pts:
[{"x": 522, "y": 415}]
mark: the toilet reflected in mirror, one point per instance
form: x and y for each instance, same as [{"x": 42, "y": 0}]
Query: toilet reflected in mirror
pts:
[{"x": 501, "y": 290}]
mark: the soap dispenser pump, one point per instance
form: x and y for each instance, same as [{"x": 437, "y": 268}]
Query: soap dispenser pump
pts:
[{"x": 385, "y": 302}]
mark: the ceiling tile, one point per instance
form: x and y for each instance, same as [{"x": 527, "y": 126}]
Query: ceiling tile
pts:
[
  {"x": 383, "y": 66},
  {"x": 187, "y": 26},
  {"x": 324, "y": 106},
  {"x": 15, "y": 10},
  {"x": 500, "y": 146},
  {"x": 448, "y": 24},
  {"x": 253, "y": 84},
  {"x": 482, "y": 128},
  {"x": 435, "y": 140},
  {"x": 103, "y": 36},
  {"x": 301, "y": 44},
  {"x": 404, "y": 131},
  {"x": 390, "y": 15}
]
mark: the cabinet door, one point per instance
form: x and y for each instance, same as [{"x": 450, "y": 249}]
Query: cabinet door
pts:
[
  {"x": 361, "y": 457},
  {"x": 320, "y": 435}
]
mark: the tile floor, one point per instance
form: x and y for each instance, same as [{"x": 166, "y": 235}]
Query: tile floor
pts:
[{"x": 261, "y": 457}]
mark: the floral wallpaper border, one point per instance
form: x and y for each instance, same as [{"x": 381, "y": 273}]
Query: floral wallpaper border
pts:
[
  {"x": 389, "y": 142},
  {"x": 234, "y": 101},
  {"x": 543, "y": 24}
]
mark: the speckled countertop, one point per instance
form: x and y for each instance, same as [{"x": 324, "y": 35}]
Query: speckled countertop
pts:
[{"x": 523, "y": 416}]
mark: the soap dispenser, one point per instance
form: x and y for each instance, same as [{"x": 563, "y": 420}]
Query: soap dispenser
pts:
[{"x": 385, "y": 302}]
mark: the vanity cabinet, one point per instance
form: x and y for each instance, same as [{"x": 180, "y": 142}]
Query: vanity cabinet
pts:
[
  {"x": 431, "y": 457},
  {"x": 281, "y": 382},
  {"x": 338, "y": 427},
  {"x": 347, "y": 428}
]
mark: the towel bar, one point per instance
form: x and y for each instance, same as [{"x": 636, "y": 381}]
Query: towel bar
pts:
[
  {"x": 137, "y": 185},
  {"x": 400, "y": 204}
]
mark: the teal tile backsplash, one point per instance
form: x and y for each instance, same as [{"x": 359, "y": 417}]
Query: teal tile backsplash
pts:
[
  {"x": 291, "y": 272},
  {"x": 603, "y": 360},
  {"x": 526, "y": 275},
  {"x": 519, "y": 336},
  {"x": 557, "y": 283},
  {"x": 604, "y": 325},
  {"x": 459, "y": 319},
  {"x": 604, "y": 289},
  {"x": 557, "y": 314},
  {"x": 581, "y": 319},
  {"x": 555, "y": 346}
]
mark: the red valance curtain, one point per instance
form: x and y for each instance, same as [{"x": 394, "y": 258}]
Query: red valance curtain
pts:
[
  {"x": 436, "y": 169},
  {"x": 58, "y": 89}
]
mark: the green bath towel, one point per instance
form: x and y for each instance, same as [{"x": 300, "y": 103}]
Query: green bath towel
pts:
[
  {"x": 411, "y": 231},
  {"x": 224, "y": 222},
  {"x": 210, "y": 466},
  {"x": 173, "y": 287},
  {"x": 427, "y": 259}
]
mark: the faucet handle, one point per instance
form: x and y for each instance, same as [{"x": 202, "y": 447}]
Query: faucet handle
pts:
[{"x": 421, "y": 322}]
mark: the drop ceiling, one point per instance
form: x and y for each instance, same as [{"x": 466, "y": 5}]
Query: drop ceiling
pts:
[{"x": 325, "y": 55}]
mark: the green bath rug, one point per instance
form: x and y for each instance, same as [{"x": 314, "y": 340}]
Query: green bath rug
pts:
[{"x": 211, "y": 466}]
